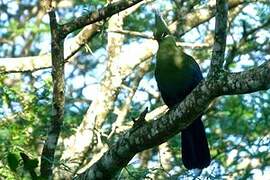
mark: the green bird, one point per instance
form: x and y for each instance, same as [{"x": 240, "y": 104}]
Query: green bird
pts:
[{"x": 177, "y": 74}]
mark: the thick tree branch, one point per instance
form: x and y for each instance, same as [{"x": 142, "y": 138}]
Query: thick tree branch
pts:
[
  {"x": 220, "y": 37},
  {"x": 98, "y": 15},
  {"x": 158, "y": 131},
  {"x": 249, "y": 81}
]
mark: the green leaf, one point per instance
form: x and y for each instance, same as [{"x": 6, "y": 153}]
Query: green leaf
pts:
[
  {"x": 13, "y": 161},
  {"x": 29, "y": 164}
]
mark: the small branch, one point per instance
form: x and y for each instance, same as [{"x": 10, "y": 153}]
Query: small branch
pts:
[
  {"x": 220, "y": 37},
  {"x": 141, "y": 120},
  {"x": 146, "y": 36},
  {"x": 237, "y": 48},
  {"x": 134, "y": 33}
]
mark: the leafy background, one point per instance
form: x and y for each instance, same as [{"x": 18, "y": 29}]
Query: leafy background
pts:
[{"x": 237, "y": 126}]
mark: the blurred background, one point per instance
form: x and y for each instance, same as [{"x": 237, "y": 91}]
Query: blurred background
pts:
[{"x": 109, "y": 75}]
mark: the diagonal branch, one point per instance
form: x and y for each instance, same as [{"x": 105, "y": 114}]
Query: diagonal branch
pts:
[
  {"x": 98, "y": 15},
  {"x": 35, "y": 63},
  {"x": 220, "y": 37},
  {"x": 158, "y": 131}
]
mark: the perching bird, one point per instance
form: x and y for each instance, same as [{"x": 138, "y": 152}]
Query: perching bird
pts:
[{"x": 177, "y": 74}]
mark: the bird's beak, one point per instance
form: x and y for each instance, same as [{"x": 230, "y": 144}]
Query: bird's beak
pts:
[{"x": 161, "y": 29}]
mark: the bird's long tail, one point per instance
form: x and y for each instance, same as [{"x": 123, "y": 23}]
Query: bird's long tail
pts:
[{"x": 195, "y": 151}]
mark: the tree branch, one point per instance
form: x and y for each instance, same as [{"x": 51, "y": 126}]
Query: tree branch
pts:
[
  {"x": 158, "y": 131},
  {"x": 249, "y": 81},
  {"x": 35, "y": 63},
  {"x": 220, "y": 37},
  {"x": 98, "y": 15},
  {"x": 58, "y": 101}
]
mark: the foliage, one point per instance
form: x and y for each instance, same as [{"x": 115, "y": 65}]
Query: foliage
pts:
[{"x": 237, "y": 126}]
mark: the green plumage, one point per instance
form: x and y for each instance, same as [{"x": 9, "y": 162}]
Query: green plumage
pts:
[
  {"x": 175, "y": 67},
  {"x": 177, "y": 74}
]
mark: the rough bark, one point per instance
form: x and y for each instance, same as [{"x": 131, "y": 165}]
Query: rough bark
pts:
[
  {"x": 58, "y": 101},
  {"x": 153, "y": 133},
  {"x": 220, "y": 37},
  {"x": 158, "y": 131}
]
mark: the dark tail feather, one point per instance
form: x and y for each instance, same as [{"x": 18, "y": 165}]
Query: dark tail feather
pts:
[{"x": 195, "y": 151}]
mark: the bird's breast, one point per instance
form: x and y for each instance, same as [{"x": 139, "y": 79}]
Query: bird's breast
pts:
[{"x": 174, "y": 85}]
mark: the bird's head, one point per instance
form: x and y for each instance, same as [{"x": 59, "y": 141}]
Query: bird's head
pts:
[{"x": 161, "y": 30}]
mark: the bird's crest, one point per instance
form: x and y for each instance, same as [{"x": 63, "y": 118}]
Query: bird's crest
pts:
[{"x": 161, "y": 28}]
